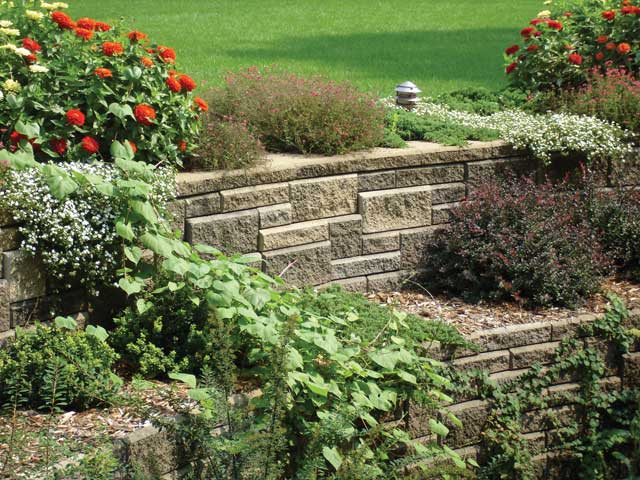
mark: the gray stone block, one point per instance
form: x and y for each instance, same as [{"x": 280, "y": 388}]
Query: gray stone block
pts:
[
  {"x": 293, "y": 235},
  {"x": 526, "y": 356},
  {"x": 176, "y": 210},
  {"x": 305, "y": 265},
  {"x": 5, "y": 316},
  {"x": 275, "y": 215},
  {"x": 395, "y": 209},
  {"x": 380, "y": 242},
  {"x": 150, "y": 452},
  {"x": 430, "y": 175},
  {"x": 442, "y": 213},
  {"x": 365, "y": 265},
  {"x": 9, "y": 239},
  {"x": 324, "y": 197},
  {"x": 252, "y": 197},
  {"x": 346, "y": 236},
  {"x": 25, "y": 275},
  {"x": 512, "y": 336},
  {"x": 490, "y": 362},
  {"x": 413, "y": 245},
  {"x": 385, "y": 282},
  {"x": 376, "y": 181},
  {"x": 447, "y": 193},
  {"x": 203, "y": 205},
  {"x": 235, "y": 232},
  {"x": 357, "y": 284}
]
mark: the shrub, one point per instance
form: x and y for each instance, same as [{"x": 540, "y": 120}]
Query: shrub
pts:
[
  {"x": 56, "y": 368},
  {"x": 71, "y": 88},
  {"x": 561, "y": 46},
  {"x": 481, "y": 100},
  {"x": 226, "y": 144},
  {"x": 293, "y": 114},
  {"x": 613, "y": 96},
  {"x": 516, "y": 239}
]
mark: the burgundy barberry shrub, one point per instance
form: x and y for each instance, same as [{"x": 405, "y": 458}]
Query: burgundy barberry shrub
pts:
[
  {"x": 519, "y": 240},
  {"x": 305, "y": 115}
]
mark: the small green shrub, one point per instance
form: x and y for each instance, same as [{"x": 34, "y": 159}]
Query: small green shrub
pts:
[
  {"x": 516, "y": 239},
  {"x": 294, "y": 114},
  {"x": 55, "y": 368},
  {"x": 226, "y": 144},
  {"x": 482, "y": 101}
]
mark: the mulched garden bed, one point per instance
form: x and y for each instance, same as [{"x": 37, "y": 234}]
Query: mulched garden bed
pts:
[{"x": 471, "y": 317}]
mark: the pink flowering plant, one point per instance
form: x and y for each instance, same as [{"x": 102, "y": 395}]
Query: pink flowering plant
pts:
[
  {"x": 563, "y": 44},
  {"x": 71, "y": 87}
]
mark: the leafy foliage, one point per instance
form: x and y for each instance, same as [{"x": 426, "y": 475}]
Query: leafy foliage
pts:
[
  {"x": 482, "y": 101},
  {"x": 306, "y": 115},
  {"x": 56, "y": 368}
]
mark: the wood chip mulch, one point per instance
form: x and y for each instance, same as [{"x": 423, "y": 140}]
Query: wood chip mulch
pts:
[{"x": 470, "y": 317}]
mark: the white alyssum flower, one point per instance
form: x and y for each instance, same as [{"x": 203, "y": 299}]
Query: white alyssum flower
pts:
[
  {"x": 34, "y": 15},
  {"x": 1, "y": 95},
  {"x": 6, "y": 23},
  {"x": 10, "y": 32},
  {"x": 8, "y": 46},
  {"x": 38, "y": 68},
  {"x": 542, "y": 134},
  {"x": 25, "y": 52},
  {"x": 48, "y": 6},
  {"x": 12, "y": 85}
]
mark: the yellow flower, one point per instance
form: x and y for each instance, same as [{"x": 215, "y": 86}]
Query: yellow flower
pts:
[
  {"x": 25, "y": 52},
  {"x": 48, "y": 6},
  {"x": 61, "y": 5},
  {"x": 12, "y": 85},
  {"x": 544, "y": 14},
  {"x": 8, "y": 46},
  {"x": 5, "y": 23},
  {"x": 11, "y": 32},
  {"x": 33, "y": 15},
  {"x": 38, "y": 69}
]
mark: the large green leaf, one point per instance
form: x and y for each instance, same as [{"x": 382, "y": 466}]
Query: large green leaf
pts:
[
  {"x": 333, "y": 456},
  {"x": 144, "y": 209},
  {"x": 187, "y": 378}
]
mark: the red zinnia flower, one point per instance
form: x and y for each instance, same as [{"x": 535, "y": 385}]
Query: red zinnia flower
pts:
[
  {"x": 75, "y": 117},
  {"x": 147, "y": 62},
  {"x": 58, "y": 145},
  {"x": 203, "y": 105},
  {"x": 599, "y": 56},
  {"x": 136, "y": 36},
  {"x": 602, "y": 39},
  {"x": 87, "y": 23},
  {"x": 30, "y": 44},
  {"x": 554, "y": 25},
  {"x": 511, "y": 67},
  {"x": 575, "y": 58},
  {"x": 537, "y": 34},
  {"x": 103, "y": 72},
  {"x": 15, "y": 137},
  {"x": 512, "y": 49},
  {"x": 32, "y": 58},
  {"x": 608, "y": 14},
  {"x": 187, "y": 82},
  {"x": 624, "y": 48},
  {"x": 532, "y": 48},
  {"x": 133, "y": 146},
  {"x": 527, "y": 32},
  {"x": 145, "y": 114},
  {"x": 90, "y": 145},
  {"x": 167, "y": 54},
  {"x": 112, "y": 48},
  {"x": 182, "y": 146},
  {"x": 103, "y": 27},
  {"x": 610, "y": 46},
  {"x": 628, "y": 10},
  {"x": 538, "y": 21},
  {"x": 173, "y": 84},
  {"x": 84, "y": 33},
  {"x": 63, "y": 20}
]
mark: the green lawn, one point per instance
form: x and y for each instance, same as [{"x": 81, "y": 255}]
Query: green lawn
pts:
[{"x": 439, "y": 44}]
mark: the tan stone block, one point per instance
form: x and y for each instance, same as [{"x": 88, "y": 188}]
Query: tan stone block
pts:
[
  {"x": 6, "y": 218},
  {"x": 508, "y": 378},
  {"x": 395, "y": 209},
  {"x": 522, "y": 357},
  {"x": 5, "y": 316},
  {"x": 386, "y": 282},
  {"x": 473, "y": 415},
  {"x": 346, "y": 236},
  {"x": 324, "y": 197},
  {"x": 442, "y": 213},
  {"x": 357, "y": 284},
  {"x": 489, "y": 362},
  {"x": 9, "y": 239},
  {"x": 549, "y": 418},
  {"x": 252, "y": 197},
  {"x": 203, "y": 205},
  {"x": 235, "y": 232},
  {"x": 305, "y": 265},
  {"x": 447, "y": 193},
  {"x": 365, "y": 265},
  {"x": 512, "y": 336},
  {"x": 380, "y": 242},
  {"x": 293, "y": 235},
  {"x": 176, "y": 210},
  {"x": 483, "y": 171},
  {"x": 430, "y": 175},
  {"x": 25, "y": 275},
  {"x": 376, "y": 181},
  {"x": 413, "y": 246},
  {"x": 275, "y": 215},
  {"x": 631, "y": 370}
]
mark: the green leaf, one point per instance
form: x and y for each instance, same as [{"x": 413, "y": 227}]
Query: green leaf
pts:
[
  {"x": 125, "y": 231},
  {"x": 157, "y": 244},
  {"x": 65, "y": 323},
  {"x": 130, "y": 287},
  {"x": 98, "y": 332},
  {"x": 407, "y": 377},
  {"x": 134, "y": 254},
  {"x": 187, "y": 378},
  {"x": 144, "y": 210},
  {"x": 385, "y": 358},
  {"x": 120, "y": 111},
  {"x": 438, "y": 428},
  {"x": 142, "y": 305},
  {"x": 59, "y": 181},
  {"x": 333, "y": 456},
  {"x": 29, "y": 130}
]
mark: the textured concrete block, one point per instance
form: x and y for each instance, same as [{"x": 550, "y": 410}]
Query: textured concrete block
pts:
[
  {"x": 571, "y": 327},
  {"x": 25, "y": 276},
  {"x": 395, "y": 209},
  {"x": 6, "y": 218},
  {"x": 176, "y": 210},
  {"x": 293, "y": 235},
  {"x": 357, "y": 284},
  {"x": 150, "y": 452},
  {"x": 380, "y": 242},
  {"x": 442, "y": 213},
  {"x": 305, "y": 265},
  {"x": 235, "y": 232},
  {"x": 5, "y": 316},
  {"x": 631, "y": 370},
  {"x": 346, "y": 236},
  {"x": 430, "y": 175},
  {"x": 487, "y": 170},
  {"x": 413, "y": 244},
  {"x": 324, "y": 197},
  {"x": 447, "y": 193},
  {"x": 489, "y": 362},
  {"x": 275, "y": 215},
  {"x": 376, "y": 181},
  {"x": 9, "y": 239},
  {"x": 386, "y": 282},
  {"x": 473, "y": 415},
  {"x": 203, "y": 205},
  {"x": 512, "y": 336},
  {"x": 522, "y": 357},
  {"x": 252, "y": 197},
  {"x": 365, "y": 265}
]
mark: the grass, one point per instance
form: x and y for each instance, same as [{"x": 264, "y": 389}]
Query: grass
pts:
[{"x": 439, "y": 44}]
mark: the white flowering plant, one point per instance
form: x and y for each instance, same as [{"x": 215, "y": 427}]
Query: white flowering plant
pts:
[
  {"x": 543, "y": 134},
  {"x": 71, "y": 227}
]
